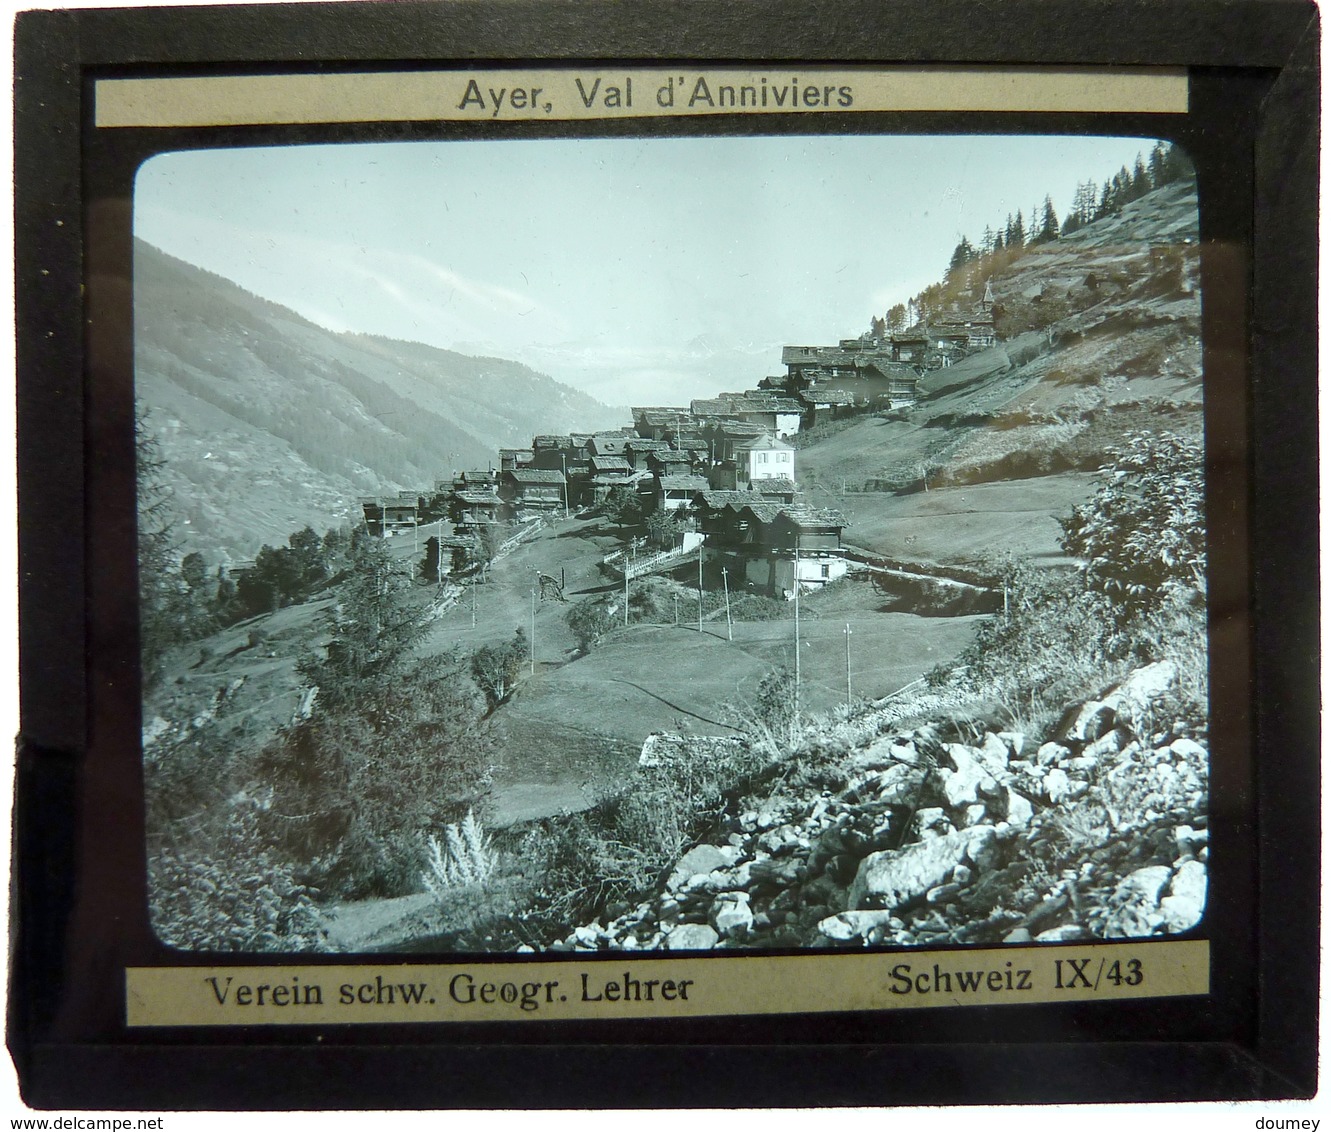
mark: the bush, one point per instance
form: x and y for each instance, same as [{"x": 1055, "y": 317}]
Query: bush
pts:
[
  {"x": 465, "y": 859},
  {"x": 620, "y": 847},
  {"x": 1143, "y": 536},
  {"x": 230, "y": 892},
  {"x": 495, "y": 668},
  {"x": 589, "y": 621}
]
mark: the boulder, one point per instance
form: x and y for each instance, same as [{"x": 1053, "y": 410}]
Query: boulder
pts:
[
  {"x": 1051, "y": 753},
  {"x": 732, "y": 916},
  {"x": 901, "y": 785},
  {"x": 692, "y": 937},
  {"x": 931, "y": 822},
  {"x": 1019, "y": 809},
  {"x": 963, "y": 786},
  {"x": 891, "y": 879},
  {"x": 1056, "y": 785},
  {"x": 1132, "y": 699},
  {"x": 1134, "y": 908},
  {"x": 1063, "y": 933},
  {"x": 994, "y": 753},
  {"x": 1108, "y": 745},
  {"x": 1183, "y": 907},
  {"x": 1092, "y": 720},
  {"x": 700, "y": 859},
  {"x": 846, "y": 926}
]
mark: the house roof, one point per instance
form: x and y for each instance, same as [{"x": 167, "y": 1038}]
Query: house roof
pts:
[
  {"x": 535, "y": 475},
  {"x": 609, "y": 445},
  {"x": 478, "y": 497},
  {"x": 829, "y": 355},
  {"x": 764, "y": 443},
  {"x": 776, "y": 485},
  {"x": 895, "y": 370},
  {"x": 642, "y": 444},
  {"x": 681, "y": 483},
  {"x": 610, "y": 464},
  {"x": 813, "y": 518},
  {"x": 764, "y": 512},
  {"x": 814, "y": 396},
  {"x": 716, "y": 500},
  {"x": 739, "y": 429}
]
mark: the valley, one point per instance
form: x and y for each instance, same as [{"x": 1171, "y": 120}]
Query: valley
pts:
[{"x": 937, "y": 502}]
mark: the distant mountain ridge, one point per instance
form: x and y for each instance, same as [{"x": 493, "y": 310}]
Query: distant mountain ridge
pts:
[{"x": 267, "y": 422}]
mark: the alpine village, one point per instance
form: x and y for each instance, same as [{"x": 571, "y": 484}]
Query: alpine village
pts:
[{"x": 905, "y": 645}]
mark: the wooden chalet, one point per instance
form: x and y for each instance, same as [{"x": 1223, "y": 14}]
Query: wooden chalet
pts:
[
  {"x": 527, "y": 490},
  {"x": 674, "y": 492},
  {"x": 472, "y": 508},
  {"x": 637, "y": 449}
]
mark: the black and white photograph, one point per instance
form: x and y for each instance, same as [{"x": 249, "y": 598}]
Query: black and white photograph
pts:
[{"x": 686, "y": 544}]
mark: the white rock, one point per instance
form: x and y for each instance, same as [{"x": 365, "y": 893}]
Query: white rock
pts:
[
  {"x": 1056, "y": 785},
  {"x": 1108, "y": 745},
  {"x": 1132, "y": 699},
  {"x": 1051, "y": 753},
  {"x": 973, "y": 814},
  {"x": 932, "y": 822},
  {"x": 1061, "y": 933},
  {"x": 893, "y": 878},
  {"x": 1189, "y": 749},
  {"x": 1016, "y": 742},
  {"x": 1019, "y": 809},
  {"x": 854, "y": 925},
  {"x": 732, "y": 917},
  {"x": 1183, "y": 907},
  {"x": 994, "y": 753},
  {"x": 691, "y": 937}
]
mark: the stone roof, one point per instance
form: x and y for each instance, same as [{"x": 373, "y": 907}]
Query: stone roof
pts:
[
  {"x": 682, "y": 483},
  {"x": 535, "y": 475}
]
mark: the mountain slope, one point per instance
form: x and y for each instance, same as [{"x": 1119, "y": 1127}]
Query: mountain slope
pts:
[
  {"x": 1101, "y": 337},
  {"x": 267, "y": 422}
]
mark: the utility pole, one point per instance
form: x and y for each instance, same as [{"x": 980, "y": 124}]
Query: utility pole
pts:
[
  {"x": 730, "y": 633},
  {"x": 563, "y": 461},
  {"x": 797, "y": 623},
  {"x": 533, "y": 632},
  {"x": 700, "y": 587},
  {"x": 473, "y": 602},
  {"x": 626, "y": 593},
  {"x": 676, "y": 611},
  {"x": 847, "y": 664}
]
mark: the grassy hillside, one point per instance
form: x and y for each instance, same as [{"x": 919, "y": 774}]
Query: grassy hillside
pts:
[
  {"x": 1103, "y": 340},
  {"x": 267, "y": 422}
]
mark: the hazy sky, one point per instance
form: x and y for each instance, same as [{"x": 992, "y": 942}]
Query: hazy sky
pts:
[{"x": 641, "y": 271}]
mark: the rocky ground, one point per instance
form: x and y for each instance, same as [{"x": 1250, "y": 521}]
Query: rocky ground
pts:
[{"x": 915, "y": 837}]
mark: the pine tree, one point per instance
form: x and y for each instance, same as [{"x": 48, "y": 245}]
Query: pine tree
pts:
[{"x": 1141, "y": 179}]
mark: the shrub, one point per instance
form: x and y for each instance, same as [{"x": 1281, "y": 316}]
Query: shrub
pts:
[
  {"x": 589, "y": 621},
  {"x": 619, "y": 848},
  {"x": 495, "y": 668},
  {"x": 1143, "y": 535},
  {"x": 771, "y": 720},
  {"x": 230, "y": 892},
  {"x": 466, "y": 858},
  {"x": 355, "y": 790}
]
